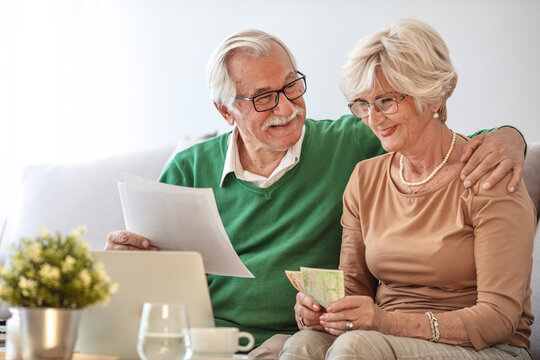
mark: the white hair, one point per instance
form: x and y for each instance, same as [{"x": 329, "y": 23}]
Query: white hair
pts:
[
  {"x": 413, "y": 58},
  {"x": 254, "y": 43}
]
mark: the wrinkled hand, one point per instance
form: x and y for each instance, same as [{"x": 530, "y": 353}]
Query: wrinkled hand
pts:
[
  {"x": 360, "y": 310},
  {"x": 125, "y": 240},
  {"x": 501, "y": 150},
  {"x": 307, "y": 313}
]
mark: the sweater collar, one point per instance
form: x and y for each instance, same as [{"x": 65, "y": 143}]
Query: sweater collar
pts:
[{"x": 233, "y": 165}]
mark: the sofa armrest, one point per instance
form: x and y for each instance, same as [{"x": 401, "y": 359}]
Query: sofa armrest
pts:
[{"x": 531, "y": 174}]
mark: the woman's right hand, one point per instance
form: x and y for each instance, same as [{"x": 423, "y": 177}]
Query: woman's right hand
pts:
[{"x": 307, "y": 313}]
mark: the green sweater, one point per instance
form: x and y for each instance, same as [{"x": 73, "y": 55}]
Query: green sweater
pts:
[{"x": 295, "y": 222}]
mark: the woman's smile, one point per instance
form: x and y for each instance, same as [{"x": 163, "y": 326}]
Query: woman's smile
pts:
[{"x": 388, "y": 131}]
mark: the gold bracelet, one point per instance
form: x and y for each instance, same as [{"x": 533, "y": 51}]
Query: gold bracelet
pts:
[{"x": 434, "y": 326}]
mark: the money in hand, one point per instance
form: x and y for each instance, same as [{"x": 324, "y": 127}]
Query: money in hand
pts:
[
  {"x": 295, "y": 277},
  {"x": 325, "y": 286}
]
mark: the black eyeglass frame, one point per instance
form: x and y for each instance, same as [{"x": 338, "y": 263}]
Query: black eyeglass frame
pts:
[
  {"x": 282, "y": 90},
  {"x": 397, "y": 100}
]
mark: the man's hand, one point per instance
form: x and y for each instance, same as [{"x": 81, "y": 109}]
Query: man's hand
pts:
[
  {"x": 502, "y": 150},
  {"x": 125, "y": 240}
]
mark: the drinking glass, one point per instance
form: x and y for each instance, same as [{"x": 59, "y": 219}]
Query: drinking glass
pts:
[{"x": 164, "y": 332}]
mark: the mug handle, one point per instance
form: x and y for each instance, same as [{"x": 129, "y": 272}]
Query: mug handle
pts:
[{"x": 251, "y": 341}]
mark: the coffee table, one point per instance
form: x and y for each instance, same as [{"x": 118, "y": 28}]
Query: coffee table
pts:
[{"x": 78, "y": 357}]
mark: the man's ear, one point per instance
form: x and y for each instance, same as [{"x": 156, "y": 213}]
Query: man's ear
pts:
[{"x": 226, "y": 113}]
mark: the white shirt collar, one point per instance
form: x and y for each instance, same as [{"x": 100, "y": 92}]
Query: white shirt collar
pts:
[{"x": 232, "y": 162}]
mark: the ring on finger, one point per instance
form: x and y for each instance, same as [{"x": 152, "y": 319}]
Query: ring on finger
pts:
[
  {"x": 301, "y": 321},
  {"x": 348, "y": 325}
]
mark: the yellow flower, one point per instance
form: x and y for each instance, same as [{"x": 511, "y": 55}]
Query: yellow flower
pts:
[
  {"x": 50, "y": 274},
  {"x": 44, "y": 233},
  {"x": 25, "y": 283},
  {"x": 4, "y": 271},
  {"x": 100, "y": 273},
  {"x": 79, "y": 232},
  {"x": 35, "y": 274},
  {"x": 34, "y": 250},
  {"x": 17, "y": 263},
  {"x": 27, "y": 286},
  {"x": 84, "y": 247},
  {"x": 85, "y": 278},
  {"x": 5, "y": 291},
  {"x": 67, "y": 266}
]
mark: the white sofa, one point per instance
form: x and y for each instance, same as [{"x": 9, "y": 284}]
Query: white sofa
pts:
[{"x": 65, "y": 196}]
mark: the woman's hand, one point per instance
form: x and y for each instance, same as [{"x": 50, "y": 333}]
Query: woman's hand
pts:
[
  {"x": 359, "y": 312},
  {"x": 307, "y": 313}
]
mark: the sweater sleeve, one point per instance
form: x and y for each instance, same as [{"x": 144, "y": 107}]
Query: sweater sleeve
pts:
[
  {"x": 172, "y": 173},
  {"x": 368, "y": 141},
  {"x": 504, "y": 227},
  {"x": 358, "y": 278}
]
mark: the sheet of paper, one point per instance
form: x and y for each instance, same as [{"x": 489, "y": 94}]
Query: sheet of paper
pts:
[{"x": 180, "y": 218}]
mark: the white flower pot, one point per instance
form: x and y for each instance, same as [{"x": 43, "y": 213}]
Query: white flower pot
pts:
[{"x": 48, "y": 333}]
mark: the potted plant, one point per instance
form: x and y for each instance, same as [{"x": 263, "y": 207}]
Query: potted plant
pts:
[{"x": 48, "y": 280}]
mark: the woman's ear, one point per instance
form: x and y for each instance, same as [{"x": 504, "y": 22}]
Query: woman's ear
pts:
[
  {"x": 435, "y": 107},
  {"x": 226, "y": 113}
]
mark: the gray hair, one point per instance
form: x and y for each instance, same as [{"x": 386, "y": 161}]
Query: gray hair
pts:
[
  {"x": 413, "y": 58},
  {"x": 254, "y": 43}
]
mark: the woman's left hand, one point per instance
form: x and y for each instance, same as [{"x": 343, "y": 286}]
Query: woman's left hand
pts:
[{"x": 354, "y": 313}]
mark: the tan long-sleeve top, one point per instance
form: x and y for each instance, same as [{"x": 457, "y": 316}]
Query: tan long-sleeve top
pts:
[{"x": 450, "y": 249}]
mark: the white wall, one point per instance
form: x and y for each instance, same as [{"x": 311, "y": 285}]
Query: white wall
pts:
[
  {"x": 88, "y": 78},
  {"x": 162, "y": 47}
]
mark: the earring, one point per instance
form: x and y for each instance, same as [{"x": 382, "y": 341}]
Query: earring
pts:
[{"x": 436, "y": 115}]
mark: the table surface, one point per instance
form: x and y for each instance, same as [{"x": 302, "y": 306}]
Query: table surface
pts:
[
  {"x": 79, "y": 357},
  {"x": 103, "y": 357}
]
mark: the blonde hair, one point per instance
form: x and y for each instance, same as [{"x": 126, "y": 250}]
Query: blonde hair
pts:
[
  {"x": 254, "y": 43},
  {"x": 413, "y": 58}
]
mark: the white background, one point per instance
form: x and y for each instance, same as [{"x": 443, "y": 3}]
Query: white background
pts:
[{"x": 81, "y": 79}]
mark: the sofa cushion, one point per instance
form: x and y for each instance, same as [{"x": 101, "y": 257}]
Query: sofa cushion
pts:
[{"x": 62, "y": 197}]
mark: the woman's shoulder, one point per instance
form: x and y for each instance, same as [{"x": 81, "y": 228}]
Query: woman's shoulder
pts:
[
  {"x": 372, "y": 169},
  {"x": 375, "y": 163},
  {"x": 499, "y": 194}
]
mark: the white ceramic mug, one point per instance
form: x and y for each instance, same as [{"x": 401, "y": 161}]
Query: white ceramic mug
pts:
[{"x": 219, "y": 341}]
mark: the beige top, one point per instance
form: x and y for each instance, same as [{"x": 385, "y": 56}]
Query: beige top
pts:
[{"x": 449, "y": 249}]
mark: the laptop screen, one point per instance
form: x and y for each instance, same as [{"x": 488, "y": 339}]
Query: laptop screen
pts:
[{"x": 143, "y": 276}]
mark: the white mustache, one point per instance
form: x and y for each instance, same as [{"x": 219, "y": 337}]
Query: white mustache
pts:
[{"x": 282, "y": 120}]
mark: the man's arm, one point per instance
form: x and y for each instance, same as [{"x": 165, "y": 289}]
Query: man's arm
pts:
[{"x": 502, "y": 151}]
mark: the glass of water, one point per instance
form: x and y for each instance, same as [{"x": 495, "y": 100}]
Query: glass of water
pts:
[{"x": 164, "y": 332}]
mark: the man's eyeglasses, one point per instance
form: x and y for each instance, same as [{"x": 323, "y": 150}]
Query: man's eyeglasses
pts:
[
  {"x": 386, "y": 105},
  {"x": 269, "y": 100}
]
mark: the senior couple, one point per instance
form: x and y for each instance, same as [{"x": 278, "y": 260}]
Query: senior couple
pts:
[{"x": 436, "y": 253}]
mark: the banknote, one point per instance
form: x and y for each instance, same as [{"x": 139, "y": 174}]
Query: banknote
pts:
[
  {"x": 325, "y": 286},
  {"x": 295, "y": 277}
]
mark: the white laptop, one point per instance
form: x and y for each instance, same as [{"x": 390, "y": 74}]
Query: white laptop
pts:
[{"x": 143, "y": 276}]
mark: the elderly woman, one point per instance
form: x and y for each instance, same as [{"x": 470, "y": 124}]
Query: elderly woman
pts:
[{"x": 432, "y": 269}]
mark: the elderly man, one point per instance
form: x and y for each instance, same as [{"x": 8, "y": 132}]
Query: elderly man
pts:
[{"x": 278, "y": 180}]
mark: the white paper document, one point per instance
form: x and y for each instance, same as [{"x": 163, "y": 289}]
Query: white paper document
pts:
[{"x": 180, "y": 218}]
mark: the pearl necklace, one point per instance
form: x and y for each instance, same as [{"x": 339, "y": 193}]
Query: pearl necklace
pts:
[{"x": 433, "y": 173}]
